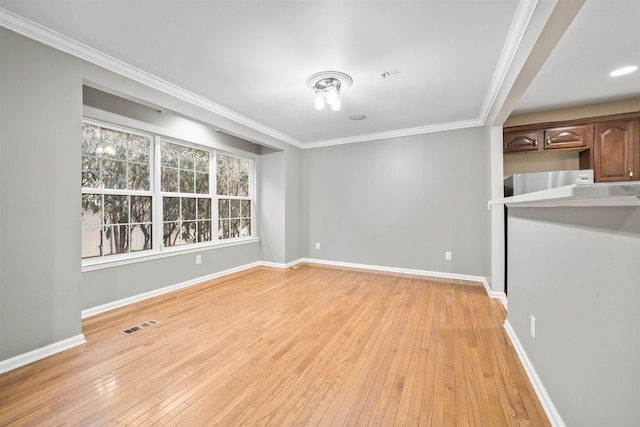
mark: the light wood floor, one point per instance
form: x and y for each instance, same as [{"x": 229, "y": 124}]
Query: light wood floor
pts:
[{"x": 310, "y": 345}]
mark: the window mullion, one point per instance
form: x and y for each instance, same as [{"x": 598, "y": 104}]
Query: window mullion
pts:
[
  {"x": 213, "y": 184},
  {"x": 157, "y": 202}
]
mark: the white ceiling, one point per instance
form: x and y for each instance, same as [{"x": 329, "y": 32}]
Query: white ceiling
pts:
[
  {"x": 446, "y": 58},
  {"x": 604, "y": 36}
]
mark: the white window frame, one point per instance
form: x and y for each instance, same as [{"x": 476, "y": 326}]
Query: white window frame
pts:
[
  {"x": 124, "y": 192},
  {"x": 158, "y": 250}
]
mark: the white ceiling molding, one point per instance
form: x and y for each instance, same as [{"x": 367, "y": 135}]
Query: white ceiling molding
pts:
[
  {"x": 514, "y": 38},
  {"x": 65, "y": 44},
  {"x": 397, "y": 133}
]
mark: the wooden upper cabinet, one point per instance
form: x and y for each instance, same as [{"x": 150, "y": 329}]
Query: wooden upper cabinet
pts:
[
  {"x": 518, "y": 141},
  {"x": 568, "y": 137},
  {"x": 610, "y": 145},
  {"x": 614, "y": 151}
]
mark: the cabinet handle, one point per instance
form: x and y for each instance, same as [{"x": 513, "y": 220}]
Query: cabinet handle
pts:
[
  {"x": 535, "y": 142},
  {"x": 548, "y": 140},
  {"x": 630, "y": 173}
]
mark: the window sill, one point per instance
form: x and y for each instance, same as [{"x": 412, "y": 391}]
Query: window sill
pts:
[{"x": 109, "y": 262}]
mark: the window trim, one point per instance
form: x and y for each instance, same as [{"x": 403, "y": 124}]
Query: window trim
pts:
[{"x": 158, "y": 250}]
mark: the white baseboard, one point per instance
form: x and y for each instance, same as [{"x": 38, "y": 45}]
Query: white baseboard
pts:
[
  {"x": 135, "y": 298},
  {"x": 426, "y": 273},
  {"x": 281, "y": 265},
  {"x": 541, "y": 392},
  {"x": 40, "y": 353}
]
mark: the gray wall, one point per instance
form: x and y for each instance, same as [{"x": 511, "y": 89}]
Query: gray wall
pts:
[
  {"x": 400, "y": 202},
  {"x": 272, "y": 207},
  {"x": 42, "y": 289},
  {"x": 294, "y": 246},
  {"x": 40, "y": 110},
  {"x": 577, "y": 271}
]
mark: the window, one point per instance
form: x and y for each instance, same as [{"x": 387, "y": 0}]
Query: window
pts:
[
  {"x": 234, "y": 201},
  {"x": 116, "y": 192},
  {"x": 141, "y": 192},
  {"x": 186, "y": 203}
]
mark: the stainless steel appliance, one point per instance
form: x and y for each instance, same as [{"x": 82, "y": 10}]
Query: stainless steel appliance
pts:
[{"x": 522, "y": 183}]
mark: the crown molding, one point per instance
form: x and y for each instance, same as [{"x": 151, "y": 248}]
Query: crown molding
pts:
[
  {"x": 397, "y": 133},
  {"x": 514, "y": 38},
  {"x": 44, "y": 35}
]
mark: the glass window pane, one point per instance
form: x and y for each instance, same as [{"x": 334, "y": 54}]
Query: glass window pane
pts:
[
  {"x": 141, "y": 237},
  {"x": 234, "y": 227},
  {"x": 116, "y": 209},
  {"x": 187, "y": 158},
  {"x": 233, "y": 179},
  {"x": 170, "y": 234},
  {"x": 90, "y": 139},
  {"x": 169, "y": 180},
  {"x": 202, "y": 160},
  {"x": 244, "y": 178},
  {"x": 187, "y": 181},
  {"x": 140, "y": 209},
  {"x": 204, "y": 231},
  {"x": 90, "y": 172},
  {"x": 246, "y": 227},
  {"x": 223, "y": 229},
  {"x": 114, "y": 174},
  {"x": 235, "y": 208},
  {"x": 245, "y": 208},
  {"x": 223, "y": 208},
  {"x": 170, "y": 154},
  {"x": 188, "y": 209},
  {"x": 91, "y": 241},
  {"x": 139, "y": 177},
  {"x": 222, "y": 171},
  {"x": 116, "y": 239},
  {"x": 204, "y": 208},
  {"x": 91, "y": 209},
  {"x": 202, "y": 183},
  {"x": 139, "y": 148},
  {"x": 170, "y": 209},
  {"x": 189, "y": 232},
  {"x": 114, "y": 144}
]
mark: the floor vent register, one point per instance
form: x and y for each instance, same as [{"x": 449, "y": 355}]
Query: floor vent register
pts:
[{"x": 139, "y": 327}]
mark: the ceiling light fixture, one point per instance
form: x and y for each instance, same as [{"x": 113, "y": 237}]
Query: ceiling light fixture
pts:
[
  {"x": 623, "y": 71},
  {"x": 327, "y": 86}
]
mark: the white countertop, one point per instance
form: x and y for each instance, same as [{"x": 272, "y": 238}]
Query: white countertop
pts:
[{"x": 599, "y": 194}]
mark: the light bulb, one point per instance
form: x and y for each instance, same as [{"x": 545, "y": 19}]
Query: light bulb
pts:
[
  {"x": 319, "y": 101},
  {"x": 336, "y": 103},
  {"x": 332, "y": 95}
]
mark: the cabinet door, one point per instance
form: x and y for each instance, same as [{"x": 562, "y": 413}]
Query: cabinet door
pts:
[
  {"x": 614, "y": 152},
  {"x": 567, "y": 137},
  {"x": 518, "y": 141}
]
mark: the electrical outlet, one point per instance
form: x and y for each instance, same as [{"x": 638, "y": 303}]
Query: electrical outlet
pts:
[
  {"x": 317, "y": 245},
  {"x": 447, "y": 256},
  {"x": 533, "y": 327},
  {"x": 198, "y": 259}
]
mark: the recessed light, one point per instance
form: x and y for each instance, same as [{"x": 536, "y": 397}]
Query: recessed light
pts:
[
  {"x": 357, "y": 117},
  {"x": 624, "y": 70}
]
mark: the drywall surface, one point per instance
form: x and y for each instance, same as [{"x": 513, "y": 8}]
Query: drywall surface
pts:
[
  {"x": 40, "y": 111},
  {"x": 577, "y": 270},
  {"x": 400, "y": 202},
  {"x": 272, "y": 207}
]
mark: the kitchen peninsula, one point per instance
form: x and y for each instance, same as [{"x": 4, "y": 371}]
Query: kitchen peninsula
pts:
[{"x": 574, "y": 299}]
